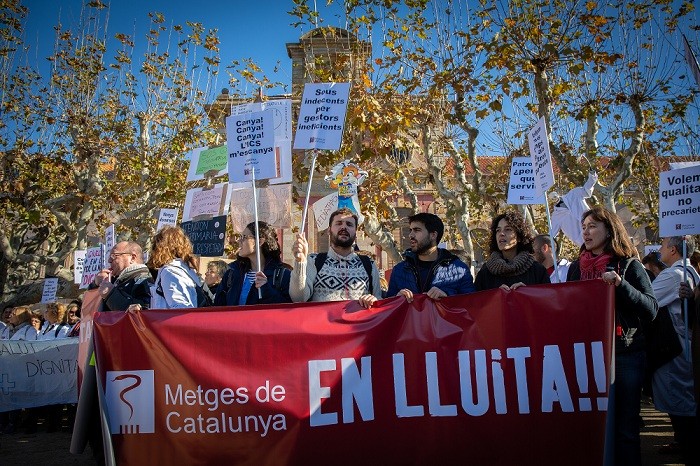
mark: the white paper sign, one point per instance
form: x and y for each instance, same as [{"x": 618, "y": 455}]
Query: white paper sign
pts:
[
  {"x": 541, "y": 158},
  {"x": 691, "y": 60},
  {"x": 78, "y": 261},
  {"x": 167, "y": 217},
  {"x": 92, "y": 266},
  {"x": 322, "y": 116},
  {"x": 323, "y": 208},
  {"x": 109, "y": 238},
  {"x": 48, "y": 294},
  {"x": 649, "y": 248},
  {"x": 274, "y": 206},
  {"x": 210, "y": 202},
  {"x": 251, "y": 146},
  {"x": 521, "y": 187},
  {"x": 679, "y": 202}
]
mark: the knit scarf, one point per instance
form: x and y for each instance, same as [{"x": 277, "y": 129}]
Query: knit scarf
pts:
[
  {"x": 501, "y": 267},
  {"x": 593, "y": 266}
]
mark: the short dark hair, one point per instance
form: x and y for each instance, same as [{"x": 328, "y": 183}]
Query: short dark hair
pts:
[
  {"x": 432, "y": 223},
  {"x": 343, "y": 211},
  {"x": 522, "y": 231},
  {"x": 539, "y": 240},
  {"x": 653, "y": 259}
]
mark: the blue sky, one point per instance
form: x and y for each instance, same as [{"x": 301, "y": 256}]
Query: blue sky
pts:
[{"x": 257, "y": 29}]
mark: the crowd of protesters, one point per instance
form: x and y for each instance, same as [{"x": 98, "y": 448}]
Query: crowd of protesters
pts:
[{"x": 516, "y": 258}]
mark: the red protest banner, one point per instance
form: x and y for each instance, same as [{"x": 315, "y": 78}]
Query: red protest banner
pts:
[{"x": 493, "y": 378}]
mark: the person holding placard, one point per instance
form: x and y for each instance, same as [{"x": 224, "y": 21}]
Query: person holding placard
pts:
[
  {"x": 672, "y": 383},
  {"x": 241, "y": 281},
  {"x": 608, "y": 254},
  {"x": 510, "y": 264},
  {"x": 341, "y": 274}
]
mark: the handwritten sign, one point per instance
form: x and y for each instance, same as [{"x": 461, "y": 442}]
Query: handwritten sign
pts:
[
  {"x": 521, "y": 187},
  {"x": 201, "y": 201},
  {"x": 92, "y": 266},
  {"x": 109, "y": 238},
  {"x": 48, "y": 294},
  {"x": 207, "y": 236},
  {"x": 541, "y": 158},
  {"x": 79, "y": 262},
  {"x": 251, "y": 146},
  {"x": 203, "y": 160},
  {"x": 322, "y": 116},
  {"x": 274, "y": 206},
  {"x": 679, "y": 202},
  {"x": 167, "y": 217}
]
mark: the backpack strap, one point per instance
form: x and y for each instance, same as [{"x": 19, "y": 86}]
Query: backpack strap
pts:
[
  {"x": 277, "y": 278},
  {"x": 320, "y": 260}
]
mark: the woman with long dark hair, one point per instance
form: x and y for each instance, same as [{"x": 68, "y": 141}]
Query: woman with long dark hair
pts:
[
  {"x": 511, "y": 263},
  {"x": 241, "y": 282},
  {"x": 608, "y": 254}
]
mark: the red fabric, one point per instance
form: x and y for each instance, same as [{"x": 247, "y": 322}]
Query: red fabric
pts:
[
  {"x": 593, "y": 266},
  {"x": 213, "y": 349}
]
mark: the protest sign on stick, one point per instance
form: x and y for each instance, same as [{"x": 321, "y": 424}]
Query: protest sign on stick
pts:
[
  {"x": 322, "y": 116},
  {"x": 207, "y": 161},
  {"x": 93, "y": 265},
  {"x": 207, "y": 236},
  {"x": 251, "y": 146},
  {"x": 679, "y": 202},
  {"x": 48, "y": 294},
  {"x": 166, "y": 217},
  {"x": 79, "y": 262},
  {"x": 274, "y": 206},
  {"x": 521, "y": 187},
  {"x": 210, "y": 202}
]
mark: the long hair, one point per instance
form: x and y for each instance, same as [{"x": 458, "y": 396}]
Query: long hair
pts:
[
  {"x": 618, "y": 243},
  {"x": 58, "y": 308},
  {"x": 522, "y": 231},
  {"x": 269, "y": 246},
  {"x": 169, "y": 243}
]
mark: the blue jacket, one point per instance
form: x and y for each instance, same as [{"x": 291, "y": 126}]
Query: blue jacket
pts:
[
  {"x": 232, "y": 282},
  {"x": 448, "y": 273}
]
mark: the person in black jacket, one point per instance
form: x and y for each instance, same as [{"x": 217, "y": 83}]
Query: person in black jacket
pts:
[
  {"x": 242, "y": 280},
  {"x": 128, "y": 280},
  {"x": 608, "y": 254},
  {"x": 511, "y": 263}
]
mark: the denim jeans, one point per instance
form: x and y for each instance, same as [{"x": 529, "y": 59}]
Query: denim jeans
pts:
[{"x": 624, "y": 405}]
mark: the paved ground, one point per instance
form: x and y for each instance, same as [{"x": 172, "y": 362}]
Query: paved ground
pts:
[{"x": 44, "y": 449}]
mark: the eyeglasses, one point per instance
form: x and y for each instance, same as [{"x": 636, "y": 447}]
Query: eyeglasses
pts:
[
  {"x": 246, "y": 237},
  {"x": 113, "y": 255}
]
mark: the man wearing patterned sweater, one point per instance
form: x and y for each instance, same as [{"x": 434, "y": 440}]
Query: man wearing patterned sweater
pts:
[{"x": 343, "y": 275}]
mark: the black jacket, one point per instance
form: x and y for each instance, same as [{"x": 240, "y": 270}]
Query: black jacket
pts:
[
  {"x": 229, "y": 290},
  {"x": 131, "y": 287},
  {"x": 635, "y": 304},
  {"x": 535, "y": 275}
]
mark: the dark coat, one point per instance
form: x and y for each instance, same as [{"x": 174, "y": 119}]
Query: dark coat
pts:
[
  {"x": 231, "y": 285},
  {"x": 535, "y": 275},
  {"x": 448, "y": 273},
  {"x": 635, "y": 303},
  {"x": 130, "y": 287}
]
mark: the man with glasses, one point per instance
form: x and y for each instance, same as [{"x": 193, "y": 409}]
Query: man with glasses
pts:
[{"x": 127, "y": 281}]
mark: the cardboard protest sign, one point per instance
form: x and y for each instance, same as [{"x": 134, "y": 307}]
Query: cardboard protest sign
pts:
[
  {"x": 207, "y": 236},
  {"x": 166, "y": 217},
  {"x": 251, "y": 146},
  {"x": 323, "y": 208},
  {"x": 79, "y": 262},
  {"x": 541, "y": 158},
  {"x": 92, "y": 266},
  {"x": 521, "y": 187},
  {"x": 48, "y": 294},
  {"x": 274, "y": 206},
  {"x": 679, "y": 202},
  {"x": 322, "y": 116},
  {"x": 203, "y": 201},
  {"x": 211, "y": 161}
]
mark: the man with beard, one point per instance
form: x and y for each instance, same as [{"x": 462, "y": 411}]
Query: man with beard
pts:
[
  {"x": 427, "y": 268},
  {"x": 543, "y": 247},
  {"x": 338, "y": 275},
  {"x": 127, "y": 281}
]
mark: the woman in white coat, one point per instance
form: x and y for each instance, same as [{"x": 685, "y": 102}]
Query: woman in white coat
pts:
[
  {"x": 54, "y": 327},
  {"x": 21, "y": 318},
  {"x": 177, "y": 280}
]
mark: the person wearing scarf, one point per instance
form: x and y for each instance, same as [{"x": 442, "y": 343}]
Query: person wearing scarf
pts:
[
  {"x": 511, "y": 263},
  {"x": 607, "y": 254}
]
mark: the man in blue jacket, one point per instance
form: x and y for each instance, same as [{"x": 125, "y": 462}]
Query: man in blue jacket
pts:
[{"x": 427, "y": 268}]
